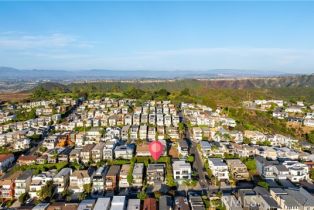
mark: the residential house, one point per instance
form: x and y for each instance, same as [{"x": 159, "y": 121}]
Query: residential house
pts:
[
  {"x": 6, "y": 161},
  {"x": 266, "y": 152},
  {"x": 102, "y": 204},
  {"x": 143, "y": 132},
  {"x": 62, "y": 206},
  {"x": 265, "y": 167},
  {"x": 7, "y": 185},
  {"x": 144, "y": 119},
  {"x": 152, "y": 119},
  {"x": 79, "y": 178},
  {"x": 151, "y": 136},
  {"x": 123, "y": 178},
  {"x": 181, "y": 203},
  {"x": 26, "y": 160},
  {"x": 281, "y": 172},
  {"x": 134, "y": 132},
  {"x": 219, "y": 168},
  {"x": 39, "y": 181},
  {"x": 231, "y": 203},
  {"x": 150, "y": 204},
  {"x": 160, "y": 132},
  {"x": 50, "y": 142},
  {"x": 196, "y": 202},
  {"x": 87, "y": 204},
  {"x": 112, "y": 177},
  {"x": 183, "y": 148},
  {"x": 75, "y": 155},
  {"x": 175, "y": 120},
  {"x": 136, "y": 119},
  {"x": 255, "y": 136},
  {"x": 302, "y": 197},
  {"x": 62, "y": 179},
  {"x": 97, "y": 152},
  {"x": 197, "y": 134},
  {"x": 294, "y": 109},
  {"x": 98, "y": 181},
  {"x": 173, "y": 133},
  {"x": 22, "y": 183},
  {"x": 309, "y": 122},
  {"x": 124, "y": 152},
  {"x": 155, "y": 173},
  {"x": 160, "y": 119},
  {"x": 238, "y": 169},
  {"x": 22, "y": 144},
  {"x": 168, "y": 120},
  {"x": 86, "y": 153},
  {"x": 137, "y": 174},
  {"x": 143, "y": 150},
  {"x": 134, "y": 204},
  {"x": 118, "y": 203},
  {"x": 285, "y": 201},
  {"x": 297, "y": 171},
  {"x": 64, "y": 155},
  {"x": 165, "y": 202},
  {"x": 108, "y": 152},
  {"x": 181, "y": 171},
  {"x": 125, "y": 132}
]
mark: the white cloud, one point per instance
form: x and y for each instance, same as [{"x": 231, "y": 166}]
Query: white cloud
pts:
[
  {"x": 20, "y": 41},
  {"x": 62, "y": 51}
]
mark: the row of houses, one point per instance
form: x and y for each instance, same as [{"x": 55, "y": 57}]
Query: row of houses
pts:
[
  {"x": 295, "y": 171},
  {"x": 29, "y": 124},
  {"x": 165, "y": 202},
  {"x": 104, "y": 179},
  {"x": 274, "y": 198},
  {"x": 222, "y": 169},
  {"x": 20, "y": 140},
  {"x": 109, "y": 112},
  {"x": 200, "y": 115}
]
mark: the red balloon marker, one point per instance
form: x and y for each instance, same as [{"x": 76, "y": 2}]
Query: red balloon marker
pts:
[{"x": 156, "y": 148}]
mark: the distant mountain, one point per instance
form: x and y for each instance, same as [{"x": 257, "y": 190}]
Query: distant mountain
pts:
[
  {"x": 7, "y": 73},
  {"x": 265, "y": 82}
]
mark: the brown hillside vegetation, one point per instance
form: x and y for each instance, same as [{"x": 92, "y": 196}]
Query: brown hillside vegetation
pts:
[{"x": 14, "y": 97}]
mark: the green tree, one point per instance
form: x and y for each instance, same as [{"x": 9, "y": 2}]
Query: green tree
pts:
[
  {"x": 161, "y": 94},
  {"x": 47, "y": 191},
  {"x": 142, "y": 195},
  {"x": 251, "y": 165},
  {"x": 310, "y": 137},
  {"x": 263, "y": 184},
  {"x": 23, "y": 197},
  {"x": 312, "y": 174},
  {"x": 246, "y": 140},
  {"x": 130, "y": 173},
  {"x": 87, "y": 188},
  {"x": 185, "y": 92},
  {"x": 40, "y": 93},
  {"x": 190, "y": 159},
  {"x": 134, "y": 93},
  {"x": 181, "y": 127}
]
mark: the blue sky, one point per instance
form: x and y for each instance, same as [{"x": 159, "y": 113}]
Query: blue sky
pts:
[{"x": 267, "y": 36}]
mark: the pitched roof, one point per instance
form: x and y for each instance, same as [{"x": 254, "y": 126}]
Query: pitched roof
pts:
[{"x": 5, "y": 156}]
